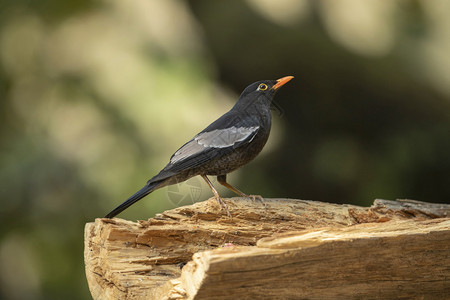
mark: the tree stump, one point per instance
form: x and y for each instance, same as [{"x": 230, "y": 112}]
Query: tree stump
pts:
[{"x": 282, "y": 249}]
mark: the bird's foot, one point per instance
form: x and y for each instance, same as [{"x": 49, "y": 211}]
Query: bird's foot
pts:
[
  {"x": 257, "y": 197},
  {"x": 223, "y": 205}
]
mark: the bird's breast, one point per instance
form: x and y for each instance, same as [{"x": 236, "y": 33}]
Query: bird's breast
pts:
[{"x": 239, "y": 156}]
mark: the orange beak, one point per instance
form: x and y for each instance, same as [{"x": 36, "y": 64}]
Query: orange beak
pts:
[{"x": 281, "y": 82}]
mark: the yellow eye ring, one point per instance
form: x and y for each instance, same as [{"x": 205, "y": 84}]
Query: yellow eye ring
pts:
[{"x": 262, "y": 87}]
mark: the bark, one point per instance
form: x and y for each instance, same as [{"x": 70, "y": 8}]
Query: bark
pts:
[{"x": 282, "y": 249}]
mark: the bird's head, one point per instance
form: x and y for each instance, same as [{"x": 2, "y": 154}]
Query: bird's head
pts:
[{"x": 263, "y": 90}]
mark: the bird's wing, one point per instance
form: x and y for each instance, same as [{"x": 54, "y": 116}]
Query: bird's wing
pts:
[
  {"x": 216, "y": 139},
  {"x": 208, "y": 145}
]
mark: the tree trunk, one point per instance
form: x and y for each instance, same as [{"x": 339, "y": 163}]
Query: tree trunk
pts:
[{"x": 282, "y": 249}]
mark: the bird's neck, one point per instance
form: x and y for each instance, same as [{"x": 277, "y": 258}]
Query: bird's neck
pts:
[
  {"x": 259, "y": 105},
  {"x": 256, "y": 111}
]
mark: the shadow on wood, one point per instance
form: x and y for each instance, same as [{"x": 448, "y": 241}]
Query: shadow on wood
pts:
[{"x": 285, "y": 249}]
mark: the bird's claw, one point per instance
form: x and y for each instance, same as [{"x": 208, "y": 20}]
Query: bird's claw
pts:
[
  {"x": 257, "y": 197},
  {"x": 223, "y": 205}
]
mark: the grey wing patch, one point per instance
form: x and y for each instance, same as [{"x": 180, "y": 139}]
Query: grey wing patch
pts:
[
  {"x": 222, "y": 138},
  {"x": 219, "y": 138},
  {"x": 189, "y": 149}
]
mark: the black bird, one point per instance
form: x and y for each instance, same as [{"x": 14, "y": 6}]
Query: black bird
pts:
[{"x": 224, "y": 146}]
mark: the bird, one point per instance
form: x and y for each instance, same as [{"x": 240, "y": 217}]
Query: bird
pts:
[{"x": 227, "y": 144}]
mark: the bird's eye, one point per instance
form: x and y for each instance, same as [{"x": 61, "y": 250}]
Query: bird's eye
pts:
[{"x": 262, "y": 87}]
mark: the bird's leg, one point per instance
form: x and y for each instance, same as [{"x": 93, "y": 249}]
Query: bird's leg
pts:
[
  {"x": 216, "y": 194},
  {"x": 222, "y": 179}
]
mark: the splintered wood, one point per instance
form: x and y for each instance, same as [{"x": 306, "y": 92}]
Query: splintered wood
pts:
[{"x": 282, "y": 249}]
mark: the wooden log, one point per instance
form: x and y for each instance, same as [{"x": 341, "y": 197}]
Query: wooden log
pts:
[{"x": 285, "y": 249}]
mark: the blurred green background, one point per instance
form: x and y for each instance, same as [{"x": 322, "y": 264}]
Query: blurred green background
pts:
[{"x": 96, "y": 96}]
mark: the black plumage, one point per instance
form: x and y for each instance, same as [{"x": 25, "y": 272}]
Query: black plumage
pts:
[{"x": 224, "y": 146}]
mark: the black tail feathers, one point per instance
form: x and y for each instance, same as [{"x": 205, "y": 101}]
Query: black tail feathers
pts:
[{"x": 147, "y": 189}]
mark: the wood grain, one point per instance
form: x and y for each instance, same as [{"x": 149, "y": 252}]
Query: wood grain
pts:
[{"x": 285, "y": 249}]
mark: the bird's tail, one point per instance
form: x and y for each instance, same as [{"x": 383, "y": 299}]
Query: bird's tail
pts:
[{"x": 147, "y": 189}]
